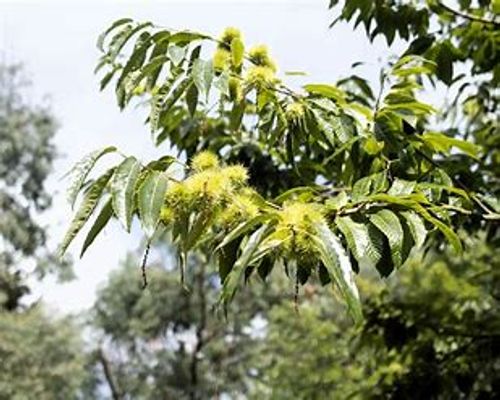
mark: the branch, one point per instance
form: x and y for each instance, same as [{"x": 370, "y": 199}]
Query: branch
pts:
[
  {"x": 468, "y": 16},
  {"x": 113, "y": 386},
  {"x": 200, "y": 330}
]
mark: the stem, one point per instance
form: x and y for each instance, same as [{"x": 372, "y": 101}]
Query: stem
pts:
[
  {"x": 113, "y": 386},
  {"x": 200, "y": 331},
  {"x": 296, "y": 294},
  {"x": 143, "y": 265},
  {"x": 468, "y": 16}
]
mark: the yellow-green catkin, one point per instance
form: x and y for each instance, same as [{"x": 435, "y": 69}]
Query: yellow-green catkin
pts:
[
  {"x": 260, "y": 77},
  {"x": 297, "y": 220},
  {"x": 227, "y": 36},
  {"x": 295, "y": 112},
  {"x": 204, "y": 160},
  {"x": 259, "y": 55},
  {"x": 235, "y": 92},
  {"x": 221, "y": 59},
  {"x": 167, "y": 215},
  {"x": 241, "y": 208}
]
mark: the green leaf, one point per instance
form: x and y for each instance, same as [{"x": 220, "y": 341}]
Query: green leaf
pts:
[
  {"x": 226, "y": 258},
  {"x": 336, "y": 261},
  {"x": 176, "y": 54},
  {"x": 445, "y": 229},
  {"x": 233, "y": 278},
  {"x": 192, "y": 99},
  {"x": 123, "y": 190},
  {"x": 358, "y": 240},
  {"x": 422, "y": 211},
  {"x": 442, "y": 143},
  {"x": 361, "y": 188},
  {"x": 388, "y": 223},
  {"x": 444, "y": 61},
  {"x": 197, "y": 228},
  {"x": 114, "y": 25},
  {"x": 99, "y": 224},
  {"x": 304, "y": 192},
  {"x": 416, "y": 227},
  {"x": 420, "y": 45},
  {"x": 223, "y": 83},
  {"x": 237, "y": 52},
  {"x": 151, "y": 198},
  {"x": 107, "y": 78},
  {"x": 242, "y": 229},
  {"x": 202, "y": 74},
  {"x": 187, "y": 37},
  {"x": 122, "y": 38},
  {"x": 82, "y": 169},
  {"x": 135, "y": 62},
  {"x": 86, "y": 208},
  {"x": 329, "y": 91},
  {"x": 150, "y": 71},
  {"x": 401, "y": 187}
]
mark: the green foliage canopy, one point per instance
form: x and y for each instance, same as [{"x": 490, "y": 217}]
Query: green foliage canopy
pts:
[{"x": 321, "y": 181}]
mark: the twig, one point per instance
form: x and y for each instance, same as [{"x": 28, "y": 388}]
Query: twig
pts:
[
  {"x": 468, "y": 16},
  {"x": 113, "y": 386},
  {"x": 143, "y": 265}
]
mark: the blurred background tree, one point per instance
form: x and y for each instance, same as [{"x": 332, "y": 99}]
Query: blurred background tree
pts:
[
  {"x": 41, "y": 357},
  {"x": 166, "y": 341}
]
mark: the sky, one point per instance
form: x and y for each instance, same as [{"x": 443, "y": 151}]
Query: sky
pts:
[{"x": 56, "y": 42}]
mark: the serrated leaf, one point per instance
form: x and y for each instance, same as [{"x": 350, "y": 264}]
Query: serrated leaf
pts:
[
  {"x": 149, "y": 71},
  {"x": 151, "y": 197},
  {"x": 226, "y": 258},
  {"x": 187, "y": 37},
  {"x": 329, "y": 91},
  {"x": 122, "y": 38},
  {"x": 114, "y": 25},
  {"x": 241, "y": 229},
  {"x": 202, "y": 74},
  {"x": 336, "y": 261},
  {"x": 237, "y": 52},
  {"x": 388, "y": 223},
  {"x": 416, "y": 227},
  {"x": 442, "y": 143},
  {"x": 135, "y": 61},
  {"x": 445, "y": 229},
  {"x": 444, "y": 61},
  {"x": 192, "y": 99},
  {"x": 233, "y": 278},
  {"x": 102, "y": 219},
  {"x": 85, "y": 210},
  {"x": 223, "y": 83},
  {"x": 176, "y": 54},
  {"x": 82, "y": 169},
  {"x": 355, "y": 234},
  {"x": 304, "y": 192},
  {"x": 197, "y": 228},
  {"x": 401, "y": 187},
  {"x": 123, "y": 189},
  {"x": 361, "y": 188}
]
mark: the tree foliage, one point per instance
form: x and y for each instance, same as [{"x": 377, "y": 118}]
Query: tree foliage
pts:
[
  {"x": 163, "y": 342},
  {"x": 41, "y": 356},
  {"x": 321, "y": 181}
]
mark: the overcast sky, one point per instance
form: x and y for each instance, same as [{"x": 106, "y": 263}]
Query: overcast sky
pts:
[{"x": 56, "y": 42}]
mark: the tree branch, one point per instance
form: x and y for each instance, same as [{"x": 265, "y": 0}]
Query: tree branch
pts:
[
  {"x": 468, "y": 16},
  {"x": 200, "y": 330},
  {"x": 113, "y": 386}
]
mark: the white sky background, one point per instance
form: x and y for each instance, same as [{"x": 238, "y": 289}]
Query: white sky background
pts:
[{"x": 56, "y": 42}]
